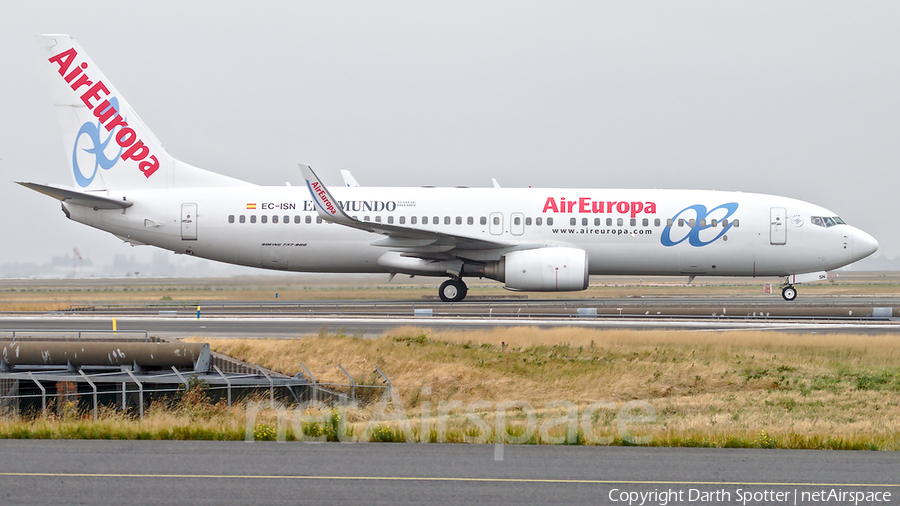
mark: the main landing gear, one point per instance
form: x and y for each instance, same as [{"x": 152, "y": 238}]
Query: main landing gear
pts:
[
  {"x": 453, "y": 290},
  {"x": 789, "y": 293}
]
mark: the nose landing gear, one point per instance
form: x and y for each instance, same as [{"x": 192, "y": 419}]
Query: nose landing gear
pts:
[{"x": 453, "y": 290}]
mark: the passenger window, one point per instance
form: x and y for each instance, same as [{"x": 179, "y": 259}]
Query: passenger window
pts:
[
  {"x": 703, "y": 223},
  {"x": 527, "y": 222},
  {"x": 252, "y": 218},
  {"x": 412, "y": 220},
  {"x": 496, "y": 220},
  {"x": 656, "y": 222},
  {"x": 403, "y": 220},
  {"x": 275, "y": 218},
  {"x": 230, "y": 218},
  {"x": 308, "y": 218},
  {"x": 669, "y": 222},
  {"x": 424, "y": 220},
  {"x": 287, "y": 219},
  {"x": 646, "y": 222},
  {"x": 483, "y": 220},
  {"x": 296, "y": 218},
  {"x": 242, "y": 219},
  {"x": 366, "y": 218},
  {"x": 724, "y": 223},
  {"x": 737, "y": 223},
  {"x": 437, "y": 220},
  {"x": 596, "y": 222},
  {"x": 459, "y": 220},
  {"x": 572, "y": 221},
  {"x": 517, "y": 221},
  {"x": 584, "y": 222},
  {"x": 692, "y": 222},
  {"x": 538, "y": 221},
  {"x": 378, "y": 219},
  {"x": 620, "y": 221},
  {"x": 446, "y": 220},
  {"x": 608, "y": 222},
  {"x": 713, "y": 222},
  {"x": 263, "y": 218},
  {"x": 633, "y": 222},
  {"x": 549, "y": 222},
  {"x": 470, "y": 220},
  {"x": 318, "y": 219},
  {"x": 680, "y": 222},
  {"x": 390, "y": 220}
]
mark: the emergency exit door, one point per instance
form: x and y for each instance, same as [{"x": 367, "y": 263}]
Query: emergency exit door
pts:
[
  {"x": 188, "y": 222},
  {"x": 778, "y": 226}
]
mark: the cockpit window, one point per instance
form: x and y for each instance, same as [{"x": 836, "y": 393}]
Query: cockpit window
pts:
[{"x": 826, "y": 221}]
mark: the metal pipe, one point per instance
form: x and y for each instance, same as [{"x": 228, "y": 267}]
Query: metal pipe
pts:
[
  {"x": 314, "y": 386},
  {"x": 352, "y": 383},
  {"x": 94, "y": 387},
  {"x": 227, "y": 383},
  {"x": 140, "y": 389},
  {"x": 271, "y": 388},
  {"x": 43, "y": 393},
  {"x": 388, "y": 381}
]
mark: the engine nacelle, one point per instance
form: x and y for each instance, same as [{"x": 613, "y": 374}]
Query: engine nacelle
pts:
[{"x": 542, "y": 270}]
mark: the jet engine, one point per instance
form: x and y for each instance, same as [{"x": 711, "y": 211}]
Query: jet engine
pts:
[{"x": 541, "y": 270}]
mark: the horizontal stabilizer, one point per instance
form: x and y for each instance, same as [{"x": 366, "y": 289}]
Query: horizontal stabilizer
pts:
[{"x": 78, "y": 197}]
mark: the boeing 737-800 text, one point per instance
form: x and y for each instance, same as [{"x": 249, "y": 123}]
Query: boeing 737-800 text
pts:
[{"x": 530, "y": 239}]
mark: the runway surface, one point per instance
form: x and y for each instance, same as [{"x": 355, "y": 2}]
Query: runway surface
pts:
[{"x": 199, "y": 472}]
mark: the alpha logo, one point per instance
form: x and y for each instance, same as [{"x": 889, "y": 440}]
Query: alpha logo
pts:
[
  {"x": 107, "y": 114},
  {"x": 587, "y": 205},
  {"x": 702, "y": 220}
]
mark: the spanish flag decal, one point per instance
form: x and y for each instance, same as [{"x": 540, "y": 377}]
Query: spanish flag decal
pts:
[{"x": 251, "y": 206}]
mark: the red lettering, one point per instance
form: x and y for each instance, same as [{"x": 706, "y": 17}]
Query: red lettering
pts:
[
  {"x": 64, "y": 59},
  {"x": 104, "y": 111},
  {"x": 94, "y": 92},
  {"x": 583, "y": 204},
  {"x": 137, "y": 152},
  {"x": 570, "y": 205},
  {"x": 609, "y": 206},
  {"x": 75, "y": 72},
  {"x": 81, "y": 81},
  {"x": 148, "y": 167},
  {"x": 116, "y": 121},
  {"x": 126, "y": 137},
  {"x": 550, "y": 205},
  {"x": 597, "y": 207},
  {"x": 622, "y": 207},
  {"x": 636, "y": 207},
  {"x": 650, "y": 208}
]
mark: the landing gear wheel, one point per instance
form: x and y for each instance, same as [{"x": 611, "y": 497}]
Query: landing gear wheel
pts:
[
  {"x": 453, "y": 290},
  {"x": 789, "y": 293}
]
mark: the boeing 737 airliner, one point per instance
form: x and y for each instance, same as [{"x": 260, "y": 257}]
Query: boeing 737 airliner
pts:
[{"x": 530, "y": 239}]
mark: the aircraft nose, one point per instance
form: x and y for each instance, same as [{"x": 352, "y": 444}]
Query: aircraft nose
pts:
[{"x": 863, "y": 245}]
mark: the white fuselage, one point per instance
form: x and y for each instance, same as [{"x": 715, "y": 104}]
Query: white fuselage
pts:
[{"x": 644, "y": 232}]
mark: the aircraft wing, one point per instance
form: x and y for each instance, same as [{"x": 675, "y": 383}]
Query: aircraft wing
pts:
[
  {"x": 78, "y": 197},
  {"x": 412, "y": 241}
]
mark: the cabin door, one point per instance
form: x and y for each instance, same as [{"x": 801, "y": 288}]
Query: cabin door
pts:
[
  {"x": 496, "y": 225},
  {"x": 188, "y": 222},
  {"x": 778, "y": 226}
]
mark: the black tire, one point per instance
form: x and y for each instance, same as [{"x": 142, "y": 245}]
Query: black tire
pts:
[
  {"x": 453, "y": 290},
  {"x": 789, "y": 293}
]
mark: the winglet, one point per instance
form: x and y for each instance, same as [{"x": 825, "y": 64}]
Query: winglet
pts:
[
  {"x": 349, "y": 180},
  {"x": 326, "y": 205}
]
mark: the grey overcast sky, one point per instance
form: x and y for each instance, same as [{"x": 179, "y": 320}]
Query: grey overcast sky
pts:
[{"x": 791, "y": 98}]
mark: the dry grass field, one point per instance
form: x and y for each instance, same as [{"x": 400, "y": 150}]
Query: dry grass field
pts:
[{"x": 707, "y": 388}]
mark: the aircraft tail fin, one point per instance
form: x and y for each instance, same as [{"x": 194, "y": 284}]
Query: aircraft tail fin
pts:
[{"x": 109, "y": 147}]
